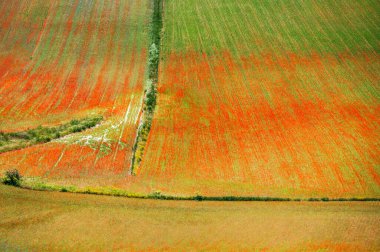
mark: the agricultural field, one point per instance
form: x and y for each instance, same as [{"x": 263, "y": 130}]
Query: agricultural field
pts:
[
  {"x": 66, "y": 60},
  {"x": 277, "y": 98},
  {"x": 53, "y": 221},
  {"x": 179, "y": 106},
  {"x": 255, "y": 98}
]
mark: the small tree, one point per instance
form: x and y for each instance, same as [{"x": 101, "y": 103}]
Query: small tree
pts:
[
  {"x": 153, "y": 62},
  {"x": 150, "y": 96},
  {"x": 12, "y": 177}
]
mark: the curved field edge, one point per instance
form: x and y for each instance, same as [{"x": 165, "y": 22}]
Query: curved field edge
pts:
[{"x": 39, "y": 184}]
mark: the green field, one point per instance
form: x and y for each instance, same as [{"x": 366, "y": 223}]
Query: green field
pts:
[
  {"x": 278, "y": 26},
  {"x": 52, "y": 221}
]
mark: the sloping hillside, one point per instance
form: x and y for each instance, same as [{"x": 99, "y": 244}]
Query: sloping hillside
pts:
[
  {"x": 65, "y": 60},
  {"x": 254, "y": 97},
  {"x": 268, "y": 98}
]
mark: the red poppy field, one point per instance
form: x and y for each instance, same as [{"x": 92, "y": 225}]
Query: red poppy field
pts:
[
  {"x": 64, "y": 60},
  {"x": 263, "y": 103},
  {"x": 254, "y": 98},
  {"x": 189, "y": 111}
]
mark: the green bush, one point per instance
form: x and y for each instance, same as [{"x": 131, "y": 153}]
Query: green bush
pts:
[
  {"x": 150, "y": 97},
  {"x": 63, "y": 189},
  {"x": 3, "y": 137},
  {"x": 74, "y": 122},
  {"x": 153, "y": 61},
  {"x": 12, "y": 177},
  {"x": 77, "y": 128},
  {"x": 43, "y": 139},
  {"x": 199, "y": 198},
  {"x": 313, "y": 199}
]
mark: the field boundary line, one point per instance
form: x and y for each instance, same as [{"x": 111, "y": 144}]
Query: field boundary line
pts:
[
  {"x": 38, "y": 184},
  {"x": 150, "y": 90}
]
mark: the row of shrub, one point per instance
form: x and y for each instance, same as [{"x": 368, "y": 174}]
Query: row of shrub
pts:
[
  {"x": 17, "y": 140},
  {"x": 13, "y": 177},
  {"x": 139, "y": 146},
  {"x": 150, "y": 93}
]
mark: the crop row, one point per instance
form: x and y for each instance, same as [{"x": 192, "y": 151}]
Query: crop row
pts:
[
  {"x": 268, "y": 98},
  {"x": 71, "y": 59}
]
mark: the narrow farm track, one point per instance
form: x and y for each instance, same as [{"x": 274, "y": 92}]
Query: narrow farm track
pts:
[
  {"x": 268, "y": 98},
  {"x": 71, "y": 59}
]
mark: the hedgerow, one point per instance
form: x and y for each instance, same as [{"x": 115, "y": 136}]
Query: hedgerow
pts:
[
  {"x": 12, "y": 177},
  {"x": 150, "y": 93}
]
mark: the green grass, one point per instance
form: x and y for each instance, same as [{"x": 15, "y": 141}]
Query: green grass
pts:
[
  {"x": 262, "y": 26},
  {"x": 17, "y": 140}
]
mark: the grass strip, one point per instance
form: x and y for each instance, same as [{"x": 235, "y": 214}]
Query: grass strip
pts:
[{"x": 17, "y": 140}]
